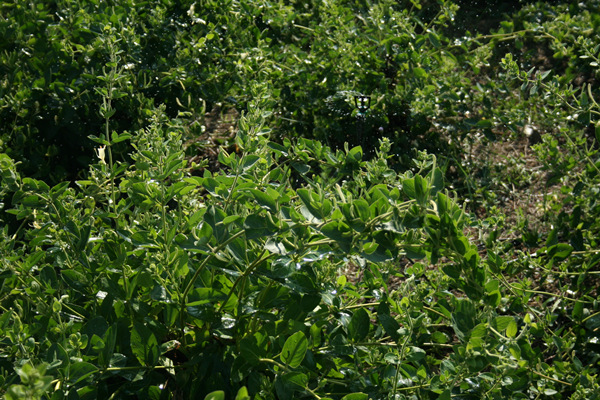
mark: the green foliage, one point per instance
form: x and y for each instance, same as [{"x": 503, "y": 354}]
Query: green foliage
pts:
[{"x": 298, "y": 269}]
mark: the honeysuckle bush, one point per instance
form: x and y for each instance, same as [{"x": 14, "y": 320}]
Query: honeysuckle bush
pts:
[
  {"x": 299, "y": 270},
  {"x": 295, "y": 272},
  {"x": 185, "y": 55}
]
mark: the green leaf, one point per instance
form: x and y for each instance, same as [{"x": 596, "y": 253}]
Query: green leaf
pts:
[
  {"x": 264, "y": 200},
  {"x": 445, "y": 395},
  {"x": 577, "y": 310},
  {"x": 249, "y": 161},
  {"x": 511, "y": 329},
  {"x": 463, "y": 318},
  {"x": 333, "y": 230},
  {"x": 309, "y": 202},
  {"x": 416, "y": 188},
  {"x": 356, "y": 396},
  {"x": 204, "y": 233},
  {"x": 502, "y": 322},
  {"x": 408, "y": 186},
  {"x": 422, "y": 372},
  {"x": 294, "y": 349},
  {"x": 257, "y": 226},
  {"x": 355, "y": 154},
  {"x": 362, "y": 209},
  {"x": 278, "y": 148},
  {"x": 276, "y": 247},
  {"x": 83, "y": 239},
  {"x": 359, "y": 325},
  {"x": 97, "y": 343},
  {"x": 56, "y": 355},
  {"x": 32, "y": 201},
  {"x": 300, "y": 167},
  {"x": 439, "y": 337},
  {"x": 216, "y": 395},
  {"x": 369, "y": 247},
  {"x": 437, "y": 181},
  {"x": 415, "y": 354},
  {"x": 420, "y": 73},
  {"x": 560, "y": 251},
  {"x": 116, "y": 138},
  {"x": 434, "y": 40},
  {"x": 117, "y": 360},
  {"x": 593, "y": 322},
  {"x": 390, "y": 325},
  {"x": 296, "y": 378},
  {"x": 252, "y": 348},
  {"x": 56, "y": 306},
  {"x": 484, "y": 124},
  {"x": 144, "y": 344},
  {"x": 242, "y": 394},
  {"x": 477, "y": 334},
  {"x": 80, "y": 371},
  {"x": 421, "y": 189}
]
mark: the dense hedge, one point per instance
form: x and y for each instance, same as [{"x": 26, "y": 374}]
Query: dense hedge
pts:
[{"x": 441, "y": 244}]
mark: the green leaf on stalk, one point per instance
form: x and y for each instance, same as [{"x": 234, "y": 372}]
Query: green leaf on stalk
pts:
[
  {"x": 216, "y": 395},
  {"x": 242, "y": 394},
  {"x": 294, "y": 349},
  {"x": 310, "y": 203},
  {"x": 437, "y": 181},
  {"x": 359, "y": 325},
  {"x": 80, "y": 371},
  {"x": 559, "y": 251},
  {"x": 408, "y": 185},
  {"x": 463, "y": 318},
  {"x": 501, "y": 323},
  {"x": 362, "y": 209},
  {"x": 511, "y": 329},
  {"x": 264, "y": 200},
  {"x": 144, "y": 344},
  {"x": 300, "y": 167},
  {"x": 477, "y": 335},
  {"x": 390, "y": 325},
  {"x": 116, "y": 138},
  {"x": 296, "y": 378},
  {"x": 434, "y": 40},
  {"x": 415, "y": 354},
  {"x": 278, "y": 148},
  {"x": 335, "y": 230},
  {"x": 355, "y": 154},
  {"x": 439, "y": 337},
  {"x": 250, "y": 350},
  {"x": 249, "y": 161}
]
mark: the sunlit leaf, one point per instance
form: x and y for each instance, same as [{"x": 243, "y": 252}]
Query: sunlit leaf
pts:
[{"x": 294, "y": 349}]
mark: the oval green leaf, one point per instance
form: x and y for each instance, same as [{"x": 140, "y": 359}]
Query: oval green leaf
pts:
[
  {"x": 216, "y": 395},
  {"x": 294, "y": 349}
]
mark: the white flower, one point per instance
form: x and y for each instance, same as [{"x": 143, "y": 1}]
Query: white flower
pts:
[{"x": 100, "y": 153}]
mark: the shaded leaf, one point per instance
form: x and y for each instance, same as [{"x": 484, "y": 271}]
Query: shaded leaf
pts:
[
  {"x": 144, "y": 344},
  {"x": 80, "y": 371},
  {"x": 359, "y": 325}
]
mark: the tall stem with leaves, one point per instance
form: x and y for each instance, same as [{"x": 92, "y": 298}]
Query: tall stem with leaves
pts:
[{"x": 112, "y": 78}]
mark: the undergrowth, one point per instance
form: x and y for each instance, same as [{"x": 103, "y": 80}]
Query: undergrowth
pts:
[{"x": 437, "y": 242}]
